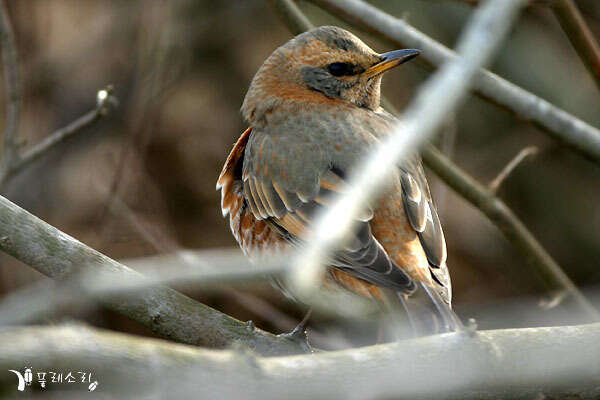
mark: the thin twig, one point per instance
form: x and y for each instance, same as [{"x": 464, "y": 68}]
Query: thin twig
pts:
[
  {"x": 439, "y": 96},
  {"x": 510, "y": 167},
  {"x": 12, "y": 85},
  {"x": 104, "y": 102},
  {"x": 561, "y": 125},
  {"x": 579, "y": 34},
  {"x": 556, "y": 362}
]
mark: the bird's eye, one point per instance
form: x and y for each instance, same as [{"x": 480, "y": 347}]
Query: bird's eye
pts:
[{"x": 340, "y": 69}]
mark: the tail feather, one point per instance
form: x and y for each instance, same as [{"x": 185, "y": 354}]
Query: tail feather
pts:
[{"x": 427, "y": 313}]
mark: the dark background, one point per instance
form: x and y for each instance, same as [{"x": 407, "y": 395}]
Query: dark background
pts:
[{"x": 142, "y": 181}]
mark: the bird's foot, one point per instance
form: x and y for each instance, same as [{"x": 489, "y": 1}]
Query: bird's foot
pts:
[{"x": 299, "y": 335}]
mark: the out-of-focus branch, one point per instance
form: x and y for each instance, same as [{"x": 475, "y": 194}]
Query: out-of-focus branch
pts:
[
  {"x": 500, "y": 364},
  {"x": 12, "y": 85},
  {"x": 295, "y": 19},
  {"x": 104, "y": 102},
  {"x": 477, "y": 2},
  {"x": 579, "y": 34},
  {"x": 559, "y": 124},
  {"x": 202, "y": 268},
  {"x": 205, "y": 269},
  {"x": 440, "y": 95},
  {"x": 159, "y": 308},
  {"x": 515, "y": 231}
]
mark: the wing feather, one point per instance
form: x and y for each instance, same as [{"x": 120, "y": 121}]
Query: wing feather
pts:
[{"x": 363, "y": 257}]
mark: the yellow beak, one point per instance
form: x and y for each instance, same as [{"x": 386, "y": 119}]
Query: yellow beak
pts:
[{"x": 390, "y": 60}]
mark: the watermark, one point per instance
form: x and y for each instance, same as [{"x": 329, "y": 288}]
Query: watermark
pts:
[{"x": 43, "y": 379}]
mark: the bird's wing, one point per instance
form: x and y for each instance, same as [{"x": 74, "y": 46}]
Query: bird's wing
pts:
[
  {"x": 289, "y": 197},
  {"x": 422, "y": 215},
  {"x": 423, "y": 218}
]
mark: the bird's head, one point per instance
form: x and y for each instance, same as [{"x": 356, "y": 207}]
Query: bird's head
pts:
[{"x": 324, "y": 63}]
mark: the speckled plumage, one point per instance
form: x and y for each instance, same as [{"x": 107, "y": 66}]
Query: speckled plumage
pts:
[{"x": 310, "y": 126}]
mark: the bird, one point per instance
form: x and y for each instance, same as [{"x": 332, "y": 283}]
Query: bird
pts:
[{"x": 314, "y": 114}]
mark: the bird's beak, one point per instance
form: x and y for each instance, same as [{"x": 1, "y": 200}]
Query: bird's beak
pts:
[{"x": 390, "y": 60}]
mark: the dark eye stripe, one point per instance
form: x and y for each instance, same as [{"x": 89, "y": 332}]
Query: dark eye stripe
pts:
[{"x": 342, "y": 69}]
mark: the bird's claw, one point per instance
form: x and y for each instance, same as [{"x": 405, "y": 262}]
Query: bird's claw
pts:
[{"x": 298, "y": 335}]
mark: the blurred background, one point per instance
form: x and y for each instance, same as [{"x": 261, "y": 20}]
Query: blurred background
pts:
[{"x": 142, "y": 180}]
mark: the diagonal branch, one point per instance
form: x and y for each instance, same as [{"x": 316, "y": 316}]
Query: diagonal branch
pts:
[
  {"x": 104, "y": 102},
  {"x": 440, "y": 95},
  {"x": 579, "y": 35},
  {"x": 515, "y": 231},
  {"x": 561, "y": 125},
  {"x": 159, "y": 308}
]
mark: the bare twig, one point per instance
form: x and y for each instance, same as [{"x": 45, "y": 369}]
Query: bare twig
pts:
[
  {"x": 556, "y": 362},
  {"x": 510, "y": 167},
  {"x": 12, "y": 85},
  {"x": 161, "y": 309},
  {"x": 563, "y": 126},
  {"x": 436, "y": 98},
  {"x": 104, "y": 102},
  {"x": 579, "y": 34}
]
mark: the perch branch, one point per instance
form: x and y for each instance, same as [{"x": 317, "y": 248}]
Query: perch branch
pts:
[
  {"x": 561, "y": 125},
  {"x": 579, "y": 34},
  {"x": 159, "y": 308},
  {"x": 499, "y": 364}
]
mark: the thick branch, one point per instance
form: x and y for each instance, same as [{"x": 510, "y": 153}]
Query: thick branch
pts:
[
  {"x": 500, "y": 364},
  {"x": 579, "y": 35},
  {"x": 561, "y": 125},
  {"x": 161, "y": 309}
]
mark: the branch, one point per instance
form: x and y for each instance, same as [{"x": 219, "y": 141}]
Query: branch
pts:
[
  {"x": 514, "y": 230},
  {"x": 510, "y": 167},
  {"x": 439, "y": 96},
  {"x": 579, "y": 34},
  {"x": 500, "y": 364},
  {"x": 561, "y": 125},
  {"x": 295, "y": 19},
  {"x": 104, "y": 102},
  {"x": 12, "y": 86},
  {"x": 159, "y": 308}
]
